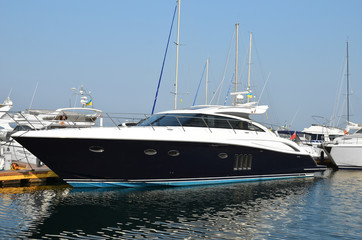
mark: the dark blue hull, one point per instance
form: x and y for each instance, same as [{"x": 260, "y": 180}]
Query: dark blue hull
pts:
[{"x": 104, "y": 163}]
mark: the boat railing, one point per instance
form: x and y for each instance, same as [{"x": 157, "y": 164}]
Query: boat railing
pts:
[
  {"x": 350, "y": 140},
  {"x": 24, "y": 121},
  {"x": 63, "y": 118},
  {"x": 122, "y": 119}
]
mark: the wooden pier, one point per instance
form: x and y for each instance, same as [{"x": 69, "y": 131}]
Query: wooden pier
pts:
[{"x": 28, "y": 176}]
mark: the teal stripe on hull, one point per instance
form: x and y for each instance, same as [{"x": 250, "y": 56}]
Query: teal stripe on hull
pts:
[{"x": 103, "y": 184}]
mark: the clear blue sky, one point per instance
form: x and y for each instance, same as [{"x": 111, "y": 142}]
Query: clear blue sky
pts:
[{"x": 115, "y": 49}]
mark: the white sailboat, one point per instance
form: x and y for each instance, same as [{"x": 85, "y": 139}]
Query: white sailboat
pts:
[
  {"x": 244, "y": 98},
  {"x": 346, "y": 151}
]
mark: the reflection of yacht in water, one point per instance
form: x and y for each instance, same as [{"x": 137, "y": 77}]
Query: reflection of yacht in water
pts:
[
  {"x": 253, "y": 210},
  {"x": 26, "y": 207},
  {"x": 124, "y": 212}
]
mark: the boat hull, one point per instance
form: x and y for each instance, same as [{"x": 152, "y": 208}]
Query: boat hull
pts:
[
  {"x": 347, "y": 156},
  {"x": 140, "y": 163}
]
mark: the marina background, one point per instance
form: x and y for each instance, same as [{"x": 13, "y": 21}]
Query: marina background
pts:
[{"x": 115, "y": 49}]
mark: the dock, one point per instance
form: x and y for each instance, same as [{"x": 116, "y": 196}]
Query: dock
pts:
[{"x": 28, "y": 176}]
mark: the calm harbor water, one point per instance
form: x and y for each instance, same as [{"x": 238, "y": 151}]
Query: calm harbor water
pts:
[{"x": 321, "y": 208}]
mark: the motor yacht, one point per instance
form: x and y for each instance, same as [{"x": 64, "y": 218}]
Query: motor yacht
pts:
[{"x": 196, "y": 146}]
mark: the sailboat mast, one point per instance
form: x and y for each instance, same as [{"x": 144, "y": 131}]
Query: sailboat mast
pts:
[
  {"x": 207, "y": 78},
  {"x": 236, "y": 59},
  {"x": 248, "y": 89},
  {"x": 177, "y": 48},
  {"x": 347, "y": 87},
  {"x": 251, "y": 36}
]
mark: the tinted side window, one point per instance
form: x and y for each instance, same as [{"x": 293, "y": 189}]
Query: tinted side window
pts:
[
  {"x": 195, "y": 121},
  {"x": 170, "y": 120},
  {"x": 223, "y": 122},
  {"x": 252, "y": 127},
  {"x": 198, "y": 120},
  {"x": 166, "y": 121},
  {"x": 217, "y": 122}
]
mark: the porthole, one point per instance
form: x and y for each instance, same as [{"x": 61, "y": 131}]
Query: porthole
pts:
[
  {"x": 223, "y": 155},
  {"x": 173, "y": 153},
  {"x": 96, "y": 149},
  {"x": 150, "y": 152}
]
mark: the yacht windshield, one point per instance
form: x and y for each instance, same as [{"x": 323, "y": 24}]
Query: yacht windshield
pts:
[
  {"x": 22, "y": 128},
  {"x": 359, "y": 131},
  {"x": 198, "y": 120}
]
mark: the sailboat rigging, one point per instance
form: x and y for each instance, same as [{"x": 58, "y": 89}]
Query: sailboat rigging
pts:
[{"x": 163, "y": 63}]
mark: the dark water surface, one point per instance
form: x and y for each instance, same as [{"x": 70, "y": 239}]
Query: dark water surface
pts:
[{"x": 321, "y": 208}]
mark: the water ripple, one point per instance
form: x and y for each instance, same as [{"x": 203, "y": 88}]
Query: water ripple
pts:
[{"x": 289, "y": 209}]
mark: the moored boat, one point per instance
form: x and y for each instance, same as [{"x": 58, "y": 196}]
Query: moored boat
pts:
[
  {"x": 346, "y": 151},
  {"x": 36, "y": 119},
  {"x": 201, "y": 145},
  {"x": 303, "y": 140},
  {"x": 319, "y": 135}
]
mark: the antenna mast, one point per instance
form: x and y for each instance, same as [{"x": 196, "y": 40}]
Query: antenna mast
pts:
[
  {"x": 236, "y": 60},
  {"x": 207, "y": 78},
  {"x": 347, "y": 87},
  {"x": 177, "y": 48},
  {"x": 251, "y": 36}
]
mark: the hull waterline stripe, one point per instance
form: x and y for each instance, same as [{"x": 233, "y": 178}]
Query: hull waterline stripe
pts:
[
  {"x": 350, "y": 167},
  {"x": 131, "y": 184}
]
